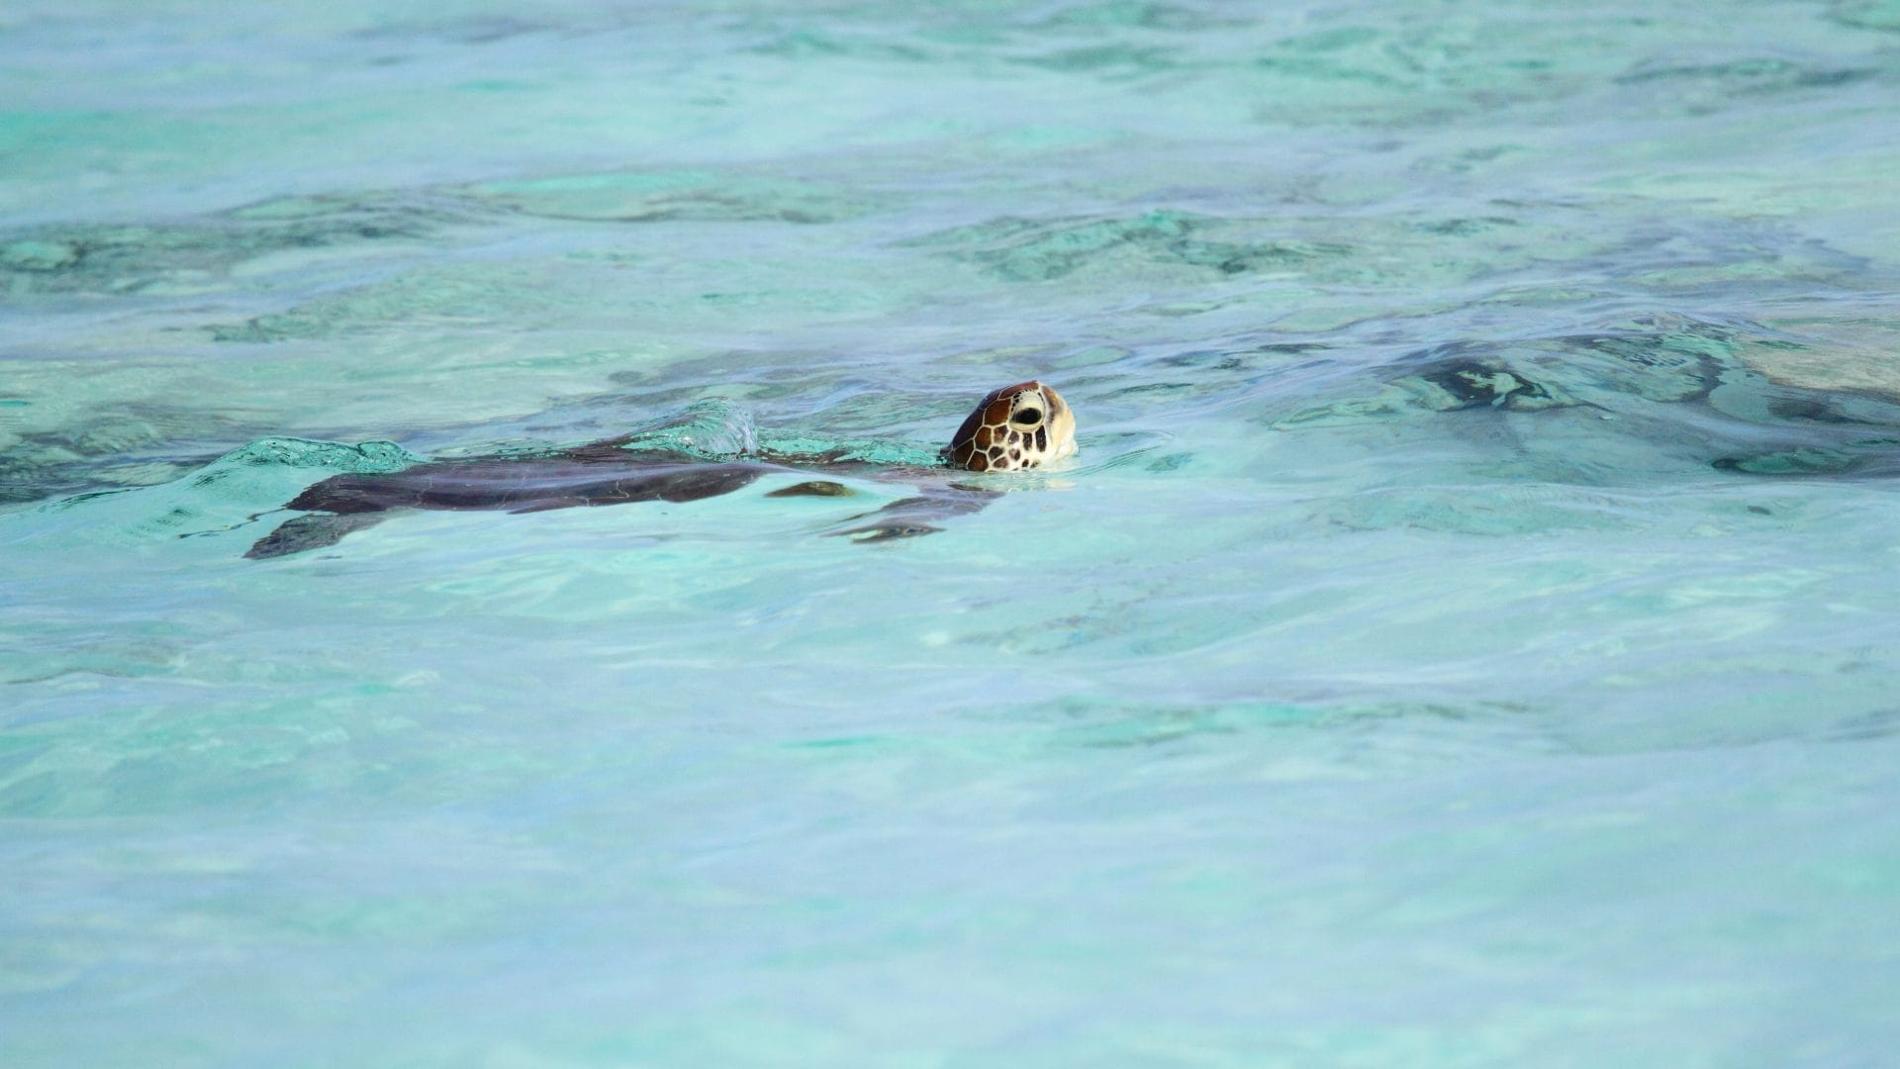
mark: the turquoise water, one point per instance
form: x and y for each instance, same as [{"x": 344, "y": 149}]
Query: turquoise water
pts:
[{"x": 1467, "y": 636}]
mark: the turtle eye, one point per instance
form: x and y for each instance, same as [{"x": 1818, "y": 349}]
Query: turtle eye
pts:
[{"x": 1028, "y": 417}]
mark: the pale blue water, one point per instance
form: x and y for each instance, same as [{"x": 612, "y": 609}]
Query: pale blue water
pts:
[{"x": 1467, "y": 637}]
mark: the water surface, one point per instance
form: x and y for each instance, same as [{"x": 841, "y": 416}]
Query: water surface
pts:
[{"x": 1467, "y": 636}]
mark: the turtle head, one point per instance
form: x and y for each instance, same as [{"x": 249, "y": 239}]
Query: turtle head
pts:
[{"x": 1022, "y": 426}]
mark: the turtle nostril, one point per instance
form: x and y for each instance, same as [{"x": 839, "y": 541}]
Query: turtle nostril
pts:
[{"x": 1028, "y": 417}]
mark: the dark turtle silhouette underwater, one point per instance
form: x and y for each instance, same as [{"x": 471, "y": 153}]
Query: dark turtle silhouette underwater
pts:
[{"x": 1014, "y": 428}]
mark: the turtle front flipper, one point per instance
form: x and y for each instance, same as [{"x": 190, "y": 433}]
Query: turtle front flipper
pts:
[
  {"x": 312, "y": 530},
  {"x": 886, "y": 531},
  {"x": 913, "y": 517}
]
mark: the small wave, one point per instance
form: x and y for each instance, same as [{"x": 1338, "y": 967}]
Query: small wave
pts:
[
  {"x": 713, "y": 429},
  {"x": 365, "y": 458}
]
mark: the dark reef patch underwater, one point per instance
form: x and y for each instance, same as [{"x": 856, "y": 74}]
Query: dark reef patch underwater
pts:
[{"x": 1467, "y": 635}]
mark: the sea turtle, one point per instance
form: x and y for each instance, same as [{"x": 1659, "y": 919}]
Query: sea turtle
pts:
[{"x": 1017, "y": 427}]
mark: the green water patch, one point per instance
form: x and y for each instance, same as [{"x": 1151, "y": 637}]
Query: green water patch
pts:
[
  {"x": 1110, "y": 61},
  {"x": 1883, "y": 15},
  {"x": 1658, "y": 396},
  {"x": 1757, "y": 75},
  {"x": 1799, "y": 462},
  {"x": 199, "y": 255},
  {"x": 1410, "y": 69},
  {"x": 1323, "y": 268},
  {"x": 1414, "y": 69},
  {"x": 1301, "y": 727},
  {"x": 675, "y": 196},
  {"x": 1140, "y": 14},
  {"x": 1499, "y": 509},
  {"x": 1854, "y": 353},
  {"x": 473, "y": 29},
  {"x": 465, "y": 298},
  {"x": 1660, "y": 360},
  {"x": 1325, "y": 380},
  {"x": 1027, "y": 250},
  {"x": 808, "y": 44},
  {"x": 462, "y": 296},
  {"x": 598, "y": 292}
]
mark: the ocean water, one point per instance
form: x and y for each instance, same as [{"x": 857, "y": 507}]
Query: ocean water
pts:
[{"x": 1469, "y": 634}]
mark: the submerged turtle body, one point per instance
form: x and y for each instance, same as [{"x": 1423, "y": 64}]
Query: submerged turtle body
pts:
[{"x": 1016, "y": 427}]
